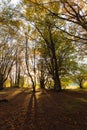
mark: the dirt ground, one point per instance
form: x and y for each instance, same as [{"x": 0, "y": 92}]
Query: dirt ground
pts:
[{"x": 44, "y": 110}]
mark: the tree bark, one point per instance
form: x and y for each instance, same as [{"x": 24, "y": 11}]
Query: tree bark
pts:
[
  {"x": 27, "y": 64},
  {"x": 81, "y": 84},
  {"x": 57, "y": 84}
]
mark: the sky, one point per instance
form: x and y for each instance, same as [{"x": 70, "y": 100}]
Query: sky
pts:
[{"x": 15, "y": 1}]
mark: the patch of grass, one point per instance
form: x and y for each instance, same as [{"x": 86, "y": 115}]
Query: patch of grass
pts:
[
  {"x": 1, "y": 92},
  {"x": 75, "y": 105}
]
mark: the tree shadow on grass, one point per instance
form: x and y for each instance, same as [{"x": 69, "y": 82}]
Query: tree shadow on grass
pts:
[
  {"x": 12, "y": 112},
  {"x": 31, "y": 122},
  {"x": 37, "y": 117},
  {"x": 77, "y": 95}
]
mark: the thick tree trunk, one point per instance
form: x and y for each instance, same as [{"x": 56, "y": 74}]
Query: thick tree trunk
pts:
[
  {"x": 81, "y": 85},
  {"x": 42, "y": 85},
  {"x": 33, "y": 88},
  {"x": 1, "y": 85},
  {"x": 57, "y": 84},
  {"x": 2, "y": 81}
]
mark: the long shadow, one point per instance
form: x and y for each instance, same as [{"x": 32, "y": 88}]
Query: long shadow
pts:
[
  {"x": 77, "y": 94},
  {"x": 31, "y": 121},
  {"x": 37, "y": 117},
  {"x": 13, "y": 98},
  {"x": 13, "y": 110}
]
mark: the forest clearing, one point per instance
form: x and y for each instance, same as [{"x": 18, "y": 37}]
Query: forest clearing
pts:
[{"x": 43, "y": 110}]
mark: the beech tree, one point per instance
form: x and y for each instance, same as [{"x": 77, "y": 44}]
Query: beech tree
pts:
[
  {"x": 74, "y": 13},
  {"x": 9, "y": 26},
  {"x": 7, "y": 58},
  {"x": 47, "y": 18},
  {"x": 27, "y": 60}
]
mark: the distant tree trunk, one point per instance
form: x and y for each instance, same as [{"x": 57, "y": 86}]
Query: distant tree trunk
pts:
[
  {"x": 34, "y": 69},
  {"x": 17, "y": 73},
  {"x": 11, "y": 80},
  {"x": 41, "y": 77},
  {"x": 81, "y": 86},
  {"x": 42, "y": 85},
  {"x": 17, "y": 78}
]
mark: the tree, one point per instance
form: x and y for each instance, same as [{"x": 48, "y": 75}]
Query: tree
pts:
[
  {"x": 7, "y": 58},
  {"x": 73, "y": 13},
  {"x": 41, "y": 69},
  {"x": 57, "y": 47},
  {"x": 65, "y": 52},
  {"x": 80, "y": 75},
  {"x": 48, "y": 39},
  {"x": 9, "y": 40},
  {"x": 28, "y": 63}
]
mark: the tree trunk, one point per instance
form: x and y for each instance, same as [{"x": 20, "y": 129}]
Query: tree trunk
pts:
[
  {"x": 1, "y": 85},
  {"x": 17, "y": 78},
  {"x": 33, "y": 88},
  {"x": 42, "y": 85},
  {"x": 2, "y": 80},
  {"x": 81, "y": 85},
  {"x": 27, "y": 65},
  {"x": 57, "y": 84}
]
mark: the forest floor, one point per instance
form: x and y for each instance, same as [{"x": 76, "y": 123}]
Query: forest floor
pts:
[{"x": 44, "y": 110}]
